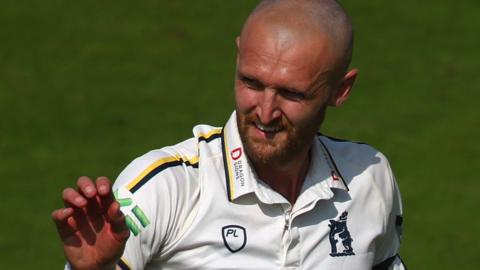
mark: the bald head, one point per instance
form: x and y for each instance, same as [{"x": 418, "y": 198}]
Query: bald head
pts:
[{"x": 293, "y": 22}]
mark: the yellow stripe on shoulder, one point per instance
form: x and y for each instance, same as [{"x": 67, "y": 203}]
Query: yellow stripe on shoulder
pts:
[
  {"x": 206, "y": 136},
  {"x": 123, "y": 264},
  {"x": 172, "y": 159}
]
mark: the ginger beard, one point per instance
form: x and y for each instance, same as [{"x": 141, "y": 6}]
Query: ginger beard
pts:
[{"x": 281, "y": 146}]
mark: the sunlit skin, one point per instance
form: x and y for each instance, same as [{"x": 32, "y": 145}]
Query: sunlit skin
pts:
[{"x": 284, "y": 84}]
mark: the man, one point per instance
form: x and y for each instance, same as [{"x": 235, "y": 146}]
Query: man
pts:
[{"x": 263, "y": 192}]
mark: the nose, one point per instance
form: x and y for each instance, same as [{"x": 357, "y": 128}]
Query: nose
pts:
[{"x": 267, "y": 107}]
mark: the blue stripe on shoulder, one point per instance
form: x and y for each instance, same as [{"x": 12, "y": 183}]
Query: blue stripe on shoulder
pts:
[{"x": 159, "y": 169}]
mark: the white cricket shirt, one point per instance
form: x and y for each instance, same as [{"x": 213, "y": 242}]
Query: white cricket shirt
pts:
[{"x": 200, "y": 205}]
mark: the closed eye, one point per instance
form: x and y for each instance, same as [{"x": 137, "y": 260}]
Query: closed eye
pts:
[
  {"x": 291, "y": 94},
  {"x": 251, "y": 83},
  {"x": 287, "y": 93}
]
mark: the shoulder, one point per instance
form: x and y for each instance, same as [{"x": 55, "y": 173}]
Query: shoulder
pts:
[
  {"x": 168, "y": 161},
  {"x": 351, "y": 154},
  {"x": 175, "y": 164},
  {"x": 347, "y": 148},
  {"x": 157, "y": 192},
  {"x": 361, "y": 164}
]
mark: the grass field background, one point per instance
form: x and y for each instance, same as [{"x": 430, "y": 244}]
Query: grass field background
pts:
[{"x": 86, "y": 86}]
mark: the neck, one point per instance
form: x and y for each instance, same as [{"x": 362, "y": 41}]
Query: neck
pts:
[{"x": 286, "y": 178}]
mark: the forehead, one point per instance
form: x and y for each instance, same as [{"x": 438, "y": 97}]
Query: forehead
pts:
[{"x": 284, "y": 55}]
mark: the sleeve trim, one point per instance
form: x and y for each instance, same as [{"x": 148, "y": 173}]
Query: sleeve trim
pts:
[
  {"x": 157, "y": 167},
  {"x": 123, "y": 264},
  {"x": 386, "y": 264}
]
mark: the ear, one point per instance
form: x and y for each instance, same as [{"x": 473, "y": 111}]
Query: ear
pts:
[
  {"x": 343, "y": 91},
  {"x": 237, "y": 41}
]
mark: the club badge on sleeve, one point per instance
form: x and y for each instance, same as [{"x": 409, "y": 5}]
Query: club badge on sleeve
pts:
[{"x": 134, "y": 215}]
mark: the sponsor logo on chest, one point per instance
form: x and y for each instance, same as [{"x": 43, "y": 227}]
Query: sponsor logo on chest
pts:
[{"x": 238, "y": 171}]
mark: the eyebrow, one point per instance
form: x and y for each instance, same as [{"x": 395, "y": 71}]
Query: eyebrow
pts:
[
  {"x": 322, "y": 79},
  {"x": 253, "y": 79}
]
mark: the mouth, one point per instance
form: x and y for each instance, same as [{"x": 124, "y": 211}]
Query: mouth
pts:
[{"x": 267, "y": 131}]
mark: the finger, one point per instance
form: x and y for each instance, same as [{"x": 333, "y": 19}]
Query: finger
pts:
[
  {"x": 117, "y": 221},
  {"x": 86, "y": 187},
  {"x": 82, "y": 219},
  {"x": 113, "y": 214},
  {"x": 105, "y": 192},
  {"x": 61, "y": 217},
  {"x": 104, "y": 186},
  {"x": 94, "y": 212},
  {"x": 71, "y": 198}
]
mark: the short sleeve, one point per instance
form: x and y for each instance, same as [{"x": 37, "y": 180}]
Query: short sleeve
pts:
[
  {"x": 387, "y": 255},
  {"x": 157, "y": 193}
]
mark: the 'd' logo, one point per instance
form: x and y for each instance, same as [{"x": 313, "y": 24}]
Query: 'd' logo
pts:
[
  {"x": 234, "y": 237},
  {"x": 236, "y": 153}
]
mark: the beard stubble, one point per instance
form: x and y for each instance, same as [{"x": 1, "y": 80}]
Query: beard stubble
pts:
[{"x": 278, "y": 150}]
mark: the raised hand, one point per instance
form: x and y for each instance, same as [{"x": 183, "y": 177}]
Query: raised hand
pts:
[{"x": 91, "y": 225}]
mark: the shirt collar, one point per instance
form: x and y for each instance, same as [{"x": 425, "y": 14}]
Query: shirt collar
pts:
[{"x": 241, "y": 178}]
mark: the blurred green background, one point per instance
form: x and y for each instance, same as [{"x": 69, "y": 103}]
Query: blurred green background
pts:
[{"x": 86, "y": 86}]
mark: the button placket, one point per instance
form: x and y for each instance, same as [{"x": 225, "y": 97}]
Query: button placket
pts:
[{"x": 291, "y": 242}]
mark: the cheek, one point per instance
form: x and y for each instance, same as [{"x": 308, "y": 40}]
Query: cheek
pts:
[
  {"x": 301, "y": 115},
  {"x": 244, "y": 99}
]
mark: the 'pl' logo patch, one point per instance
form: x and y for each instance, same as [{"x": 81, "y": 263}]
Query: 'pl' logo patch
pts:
[
  {"x": 234, "y": 237},
  {"x": 339, "y": 232}
]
